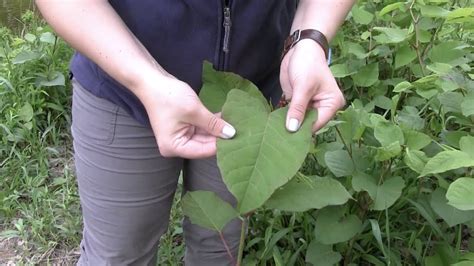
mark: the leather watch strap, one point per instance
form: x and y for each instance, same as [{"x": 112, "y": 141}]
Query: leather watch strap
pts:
[{"x": 312, "y": 34}]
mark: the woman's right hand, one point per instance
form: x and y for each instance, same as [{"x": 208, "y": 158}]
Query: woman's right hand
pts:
[{"x": 183, "y": 126}]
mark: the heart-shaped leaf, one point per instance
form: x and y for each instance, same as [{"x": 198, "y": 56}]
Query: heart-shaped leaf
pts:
[
  {"x": 466, "y": 144},
  {"x": 416, "y": 140},
  {"x": 416, "y": 160},
  {"x": 447, "y": 160},
  {"x": 263, "y": 155},
  {"x": 217, "y": 84},
  {"x": 313, "y": 193},
  {"x": 461, "y": 194},
  {"x": 333, "y": 227},
  {"x": 339, "y": 163},
  {"x": 387, "y": 133},
  {"x": 383, "y": 195},
  {"x": 451, "y": 215},
  {"x": 321, "y": 255},
  {"x": 206, "y": 209}
]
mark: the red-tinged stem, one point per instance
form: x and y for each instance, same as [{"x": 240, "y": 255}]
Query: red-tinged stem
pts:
[{"x": 227, "y": 247}]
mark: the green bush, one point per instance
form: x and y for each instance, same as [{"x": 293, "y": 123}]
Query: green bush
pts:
[
  {"x": 390, "y": 180},
  {"x": 38, "y": 199},
  {"x": 403, "y": 148}
]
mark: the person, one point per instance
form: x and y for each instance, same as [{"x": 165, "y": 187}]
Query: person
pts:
[{"x": 137, "y": 119}]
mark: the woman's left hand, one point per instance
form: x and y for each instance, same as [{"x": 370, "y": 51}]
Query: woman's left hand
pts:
[{"x": 307, "y": 81}]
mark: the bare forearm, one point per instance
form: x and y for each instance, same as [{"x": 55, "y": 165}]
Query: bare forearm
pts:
[
  {"x": 94, "y": 28},
  {"x": 323, "y": 15}
]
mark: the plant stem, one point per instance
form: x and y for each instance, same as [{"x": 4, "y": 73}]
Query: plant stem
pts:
[
  {"x": 348, "y": 148},
  {"x": 417, "y": 38},
  {"x": 387, "y": 232},
  {"x": 242, "y": 240},
  {"x": 227, "y": 247},
  {"x": 458, "y": 242}
]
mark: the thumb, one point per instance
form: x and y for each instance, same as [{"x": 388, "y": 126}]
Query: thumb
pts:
[
  {"x": 296, "y": 111},
  {"x": 213, "y": 124}
]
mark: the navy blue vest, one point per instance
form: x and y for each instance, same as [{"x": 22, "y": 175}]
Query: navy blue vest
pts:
[{"x": 245, "y": 37}]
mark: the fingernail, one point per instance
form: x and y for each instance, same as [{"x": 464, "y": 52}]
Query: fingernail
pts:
[
  {"x": 228, "y": 132},
  {"x": 293, "y": 124}
]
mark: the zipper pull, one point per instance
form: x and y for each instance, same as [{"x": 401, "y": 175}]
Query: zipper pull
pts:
[{"x": 227, "y": 24}]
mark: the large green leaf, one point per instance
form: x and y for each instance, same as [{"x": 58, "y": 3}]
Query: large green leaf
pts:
[
  {"x": 461, "y": 194},
  {"x": 54, "y": 79},
  {"x": 321, "y": 255},
  {"x": 391, "y": 35},
  {"x": 466, "y": 144},
  {"x": 339, "y": 163},
  {"x": 416, "y": 160},
  {"x": 367, "y": 76},
  {"x": 408, "y": 117},
  {"x": 461, "y": 15},
  {"x": 383, "y": 195},
  {"x": 404, "y": 56},
  {"x": 451, "y": 101},
  {"x": 25, "y": 56},
  {"x": 451, "y": 215},
  {"x": 352, "y": 127},
  {"x": 315, "y": 193},
  {"x": 361, "y": 16},
  {"x": 332, "y": 226},
  {"x": 263, "y": 155},
  {"x": 433, "y": 11},
  {"x": 387, "y": 133},
  {"x": 447, "y": 160},
  {"x": 467, "y": 105},
  {"x": 206, "y": 209},
  {"x": 416, "y": 140},
  {"x": 48, "y": 37},
  {"x": 386, "y": 152},
  {"x": 26, "y": 113},
  {"x": 448, "y": 52},
  {"x": 217, "y": 84},
  {"x": 391, "y": 7},
  {"x": 341, "y": 70}
]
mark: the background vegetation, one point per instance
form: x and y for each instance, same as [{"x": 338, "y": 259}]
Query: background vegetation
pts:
[{"x": 403, "y": 148}]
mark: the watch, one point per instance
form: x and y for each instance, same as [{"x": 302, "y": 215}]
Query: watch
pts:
[{"x": 312, "y": 34}]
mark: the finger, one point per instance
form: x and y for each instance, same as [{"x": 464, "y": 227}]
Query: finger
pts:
[
  {"x": 325, "y": 114},
  {"x": 328, "y": 104},
  {"x": 327, "y": 109},
  {"x": 213, "y": 124},
  {"x": 194, "y": 149},
  {"x": 296, "y": 111},
  {"x": 203, "y": 136}
]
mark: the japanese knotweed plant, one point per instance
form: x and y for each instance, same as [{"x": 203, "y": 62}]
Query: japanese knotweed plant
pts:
[{"x": 259, "y": 160}]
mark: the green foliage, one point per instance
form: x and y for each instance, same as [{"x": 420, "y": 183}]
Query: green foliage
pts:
[
  {"x": 398, "y": 161},
  {"x": 309, "y": 193},
  {"x": 247, "y": 162},
  {"x": 208, "y": 210},
  {"x": 39, "y": 207}
]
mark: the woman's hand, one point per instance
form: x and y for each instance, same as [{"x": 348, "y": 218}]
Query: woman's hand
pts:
[
  {"x": 307, "y": 81},
  {"x": 182, "y": 125}
]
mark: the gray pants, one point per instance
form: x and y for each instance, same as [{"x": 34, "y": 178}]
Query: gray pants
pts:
[{"x": 126, "y": 189}]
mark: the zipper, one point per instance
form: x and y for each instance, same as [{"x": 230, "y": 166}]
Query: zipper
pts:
[{"x": 227, "y": 23}]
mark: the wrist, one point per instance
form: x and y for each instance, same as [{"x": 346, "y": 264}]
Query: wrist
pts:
[
  {"x": 312, "y": 49},
  {"x": 150, "y": 84}
]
